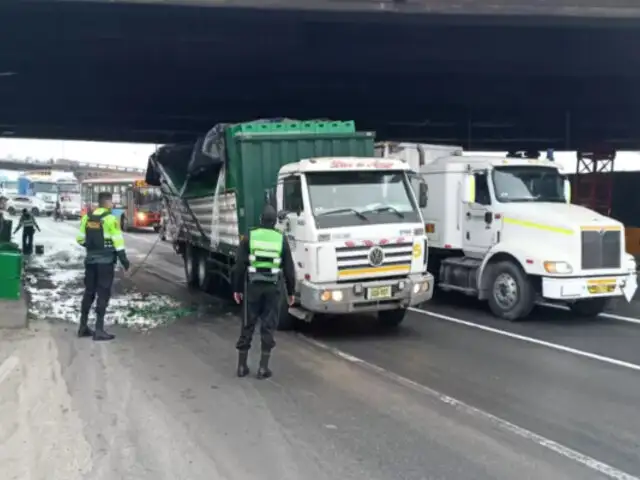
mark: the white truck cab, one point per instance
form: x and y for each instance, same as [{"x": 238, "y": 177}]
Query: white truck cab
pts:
[
  {"x": 504, "y": 230},
  {"x": 357, "y": 236}
]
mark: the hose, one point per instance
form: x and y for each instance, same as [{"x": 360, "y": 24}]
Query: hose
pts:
[{"x": 137, "y": 268}]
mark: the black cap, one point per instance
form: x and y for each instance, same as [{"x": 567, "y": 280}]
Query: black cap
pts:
[{"x": 269, "y": 216}]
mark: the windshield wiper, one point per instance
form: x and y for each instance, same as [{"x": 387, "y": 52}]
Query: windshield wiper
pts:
[
  {"x": 387, "y": 208},
  {"x": 344, "y": 210}
]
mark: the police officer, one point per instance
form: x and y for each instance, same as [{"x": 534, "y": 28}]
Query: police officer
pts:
[
  {"x": 262, "y": 259},
  {"x": 28, "y": 224},
  {"x": 101, "y": 236}
]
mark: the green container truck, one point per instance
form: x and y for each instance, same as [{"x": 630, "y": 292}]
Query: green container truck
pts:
[{"x": 352, "y": 220}]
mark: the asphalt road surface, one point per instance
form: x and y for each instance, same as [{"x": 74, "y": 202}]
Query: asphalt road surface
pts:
[{"x": 453, "y": 394}]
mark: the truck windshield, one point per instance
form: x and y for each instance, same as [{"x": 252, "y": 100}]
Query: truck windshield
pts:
[
  {"x": 528, "y": 184},
  {"x": 348, "y": 198}
]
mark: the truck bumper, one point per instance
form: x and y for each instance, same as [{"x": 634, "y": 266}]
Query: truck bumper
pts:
[
  {"x": 590, "y": 287},
  {"x": 355, "y": 297}
]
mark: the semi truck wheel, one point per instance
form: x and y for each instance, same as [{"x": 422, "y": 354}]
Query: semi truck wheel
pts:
[
  {"x": 511, "y": 295},
  {"x": 391, "y": 318},
  {"x": 589, "y": 308},
  {"x": 190, "y": 266}
]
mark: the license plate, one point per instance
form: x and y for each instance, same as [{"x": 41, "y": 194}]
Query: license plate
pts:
[{"x": 379, "y": 293}]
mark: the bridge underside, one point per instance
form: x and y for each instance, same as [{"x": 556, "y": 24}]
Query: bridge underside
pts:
[{"x": 161, "y": 73}]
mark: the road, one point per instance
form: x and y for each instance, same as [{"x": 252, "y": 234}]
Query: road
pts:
[{"x": 454, "y": 394}]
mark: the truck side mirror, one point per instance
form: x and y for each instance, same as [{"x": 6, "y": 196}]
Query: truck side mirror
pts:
[
  {"x": 468, "y": 189},
  {"x": 567, "y": 190},
  {"x": 423, "y": 195}
]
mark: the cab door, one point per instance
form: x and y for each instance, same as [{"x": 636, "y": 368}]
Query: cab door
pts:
[{"x": 479, "y": 226}]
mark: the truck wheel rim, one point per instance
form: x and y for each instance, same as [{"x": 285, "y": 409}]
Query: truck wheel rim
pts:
[{"x": 505, "y": 291}]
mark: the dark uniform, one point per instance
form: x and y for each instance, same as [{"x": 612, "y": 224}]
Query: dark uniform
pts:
[
  {"x": 263, "y": 258},
  {"x": 28, "y": 224},
  {"x": 100, "y": 234}
]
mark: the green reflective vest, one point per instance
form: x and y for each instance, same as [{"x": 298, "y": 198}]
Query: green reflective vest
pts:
[{"x": 265, "y": 254}]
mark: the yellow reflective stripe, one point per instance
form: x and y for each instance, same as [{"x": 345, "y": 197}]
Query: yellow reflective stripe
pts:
[{"x": 539, "y": 226}]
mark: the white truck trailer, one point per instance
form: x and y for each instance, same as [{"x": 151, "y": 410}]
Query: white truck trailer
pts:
[{"x": 504, "y": 230}]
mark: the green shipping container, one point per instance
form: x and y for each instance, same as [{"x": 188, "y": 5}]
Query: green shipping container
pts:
[{"x": 255, "y": 159}]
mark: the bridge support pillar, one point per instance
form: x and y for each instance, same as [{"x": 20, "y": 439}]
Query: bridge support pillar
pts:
[{"x": 593, "y": 185}]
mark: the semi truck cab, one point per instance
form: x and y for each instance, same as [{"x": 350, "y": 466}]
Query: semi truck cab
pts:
[{"x": 504, "y": 230}]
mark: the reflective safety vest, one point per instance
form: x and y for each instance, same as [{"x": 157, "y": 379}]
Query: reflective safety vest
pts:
[
  {"x": 100, "y": 234},
  {"x": 265, "y": 254},
  {"x": 95, "y": 238},
  {"x": 27, "y": 221}
]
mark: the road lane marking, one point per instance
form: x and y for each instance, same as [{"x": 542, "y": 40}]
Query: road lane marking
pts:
[
  {"x": 612, "y": 316},
  {"x": 535, "y": 341},
  {"x": 562, "y": 450},
  {"x": 8, "y": 366}
]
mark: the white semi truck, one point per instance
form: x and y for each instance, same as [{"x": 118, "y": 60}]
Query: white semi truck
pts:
[
  {"x": 352, "y": 220},
  {"x": 504, "y": 230}
]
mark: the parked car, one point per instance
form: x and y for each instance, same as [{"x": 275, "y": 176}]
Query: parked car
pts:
[{"x": 37, "y": 207}]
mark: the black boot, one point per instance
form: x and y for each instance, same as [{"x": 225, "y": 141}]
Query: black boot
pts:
[
  {"x": 84, "y": 330},
  {"x": 100, "y": 335},
  {"x": 243, "y": 368},
  {"x": 263, "y": 371}
]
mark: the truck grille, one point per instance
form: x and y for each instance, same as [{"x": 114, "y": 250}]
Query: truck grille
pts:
[
  {"x": 601, "y": 249},
  {"x": 352, "y": 260}
]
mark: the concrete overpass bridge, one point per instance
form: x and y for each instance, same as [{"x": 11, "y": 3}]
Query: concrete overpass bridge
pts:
[
  {"x": 486, "y": 74},
  {"x": 81, "y": 170}
]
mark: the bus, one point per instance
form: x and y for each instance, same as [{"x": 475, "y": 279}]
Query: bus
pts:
[
  {"x": 47, "y": 189},
  {"x": 135, "y": 203}
]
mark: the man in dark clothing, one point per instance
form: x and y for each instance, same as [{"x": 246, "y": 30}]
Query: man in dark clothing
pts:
[
  {"x": 101, "y": 236},
  {"x": 28, "y": 224},
  {"x": 258, "y": 267}
]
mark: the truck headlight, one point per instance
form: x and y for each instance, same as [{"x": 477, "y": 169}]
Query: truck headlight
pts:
[{"x": 557, "y": 267}]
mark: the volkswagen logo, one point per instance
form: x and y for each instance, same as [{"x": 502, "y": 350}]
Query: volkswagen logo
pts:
[{"x": 376, "y": 256}]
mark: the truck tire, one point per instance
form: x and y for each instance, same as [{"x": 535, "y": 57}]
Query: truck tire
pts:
[
  {"x": 156, "y": 229},
  {"x": 124, "y": 224},
  {"x": 589, "y": 308},
  {"x": 511, "y": 294},
  {"x": 11, "y": 210},
  {"x": 191, "y": 266},
  {"x": 391, "y": 318},
  {"x": 35, "y": 212},
  {"x": 202, "y": 274}
]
